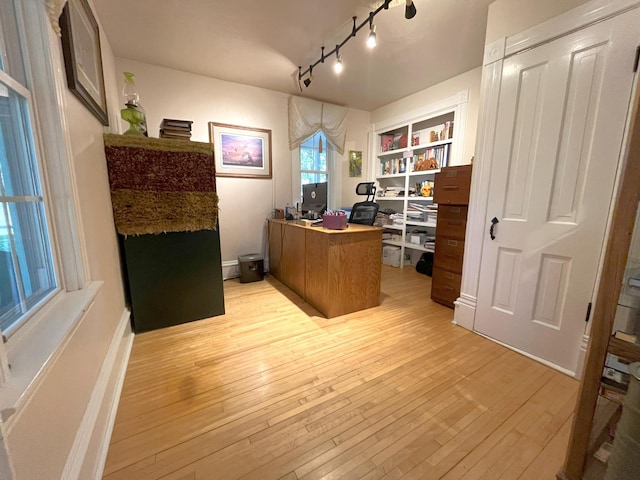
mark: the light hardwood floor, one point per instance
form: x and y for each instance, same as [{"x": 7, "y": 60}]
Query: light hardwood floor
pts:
[{"x": 271, "y": 390}]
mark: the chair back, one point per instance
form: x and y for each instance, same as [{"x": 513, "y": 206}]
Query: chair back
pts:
[
  {"x": 368, "y": 189},
  {"x": 364, "y": 213}
]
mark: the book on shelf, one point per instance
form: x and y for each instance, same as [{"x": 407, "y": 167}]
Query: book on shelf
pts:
[
  {"x": 178, "y": 131},
  {"x": 627, "y": 337},
  {"x": 175, "y": 129},
  {"x": 172, "y": 122},
  {"x": 176, "y": 136}
]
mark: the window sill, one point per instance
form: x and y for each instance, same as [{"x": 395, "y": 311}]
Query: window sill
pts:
[{"x": 32, "y": 353}]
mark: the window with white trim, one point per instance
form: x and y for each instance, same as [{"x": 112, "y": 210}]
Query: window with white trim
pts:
[
  {"x": 27, "y": 272},
  {"x": 26, "y": 262},
  {"x": 313, "y": 160}
]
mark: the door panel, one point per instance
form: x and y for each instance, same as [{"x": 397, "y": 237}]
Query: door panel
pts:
[{"x": 559, "y": 130}]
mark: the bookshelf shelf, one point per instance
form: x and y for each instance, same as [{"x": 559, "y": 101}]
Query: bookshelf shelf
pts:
[{"x": 629, "y": 352}]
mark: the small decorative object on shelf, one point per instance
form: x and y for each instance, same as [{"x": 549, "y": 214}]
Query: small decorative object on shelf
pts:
[{"x": 133, "y": 113}]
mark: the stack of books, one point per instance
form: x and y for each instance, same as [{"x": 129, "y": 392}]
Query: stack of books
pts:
[{"x": 177, "y": 129}]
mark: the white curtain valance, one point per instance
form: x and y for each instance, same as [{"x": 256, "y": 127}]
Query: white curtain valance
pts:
[
  {"x": 307, "y": 116},
  {"x": 54, "y": 9}
]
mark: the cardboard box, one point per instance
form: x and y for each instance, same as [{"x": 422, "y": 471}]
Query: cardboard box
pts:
[{"x": 418, "y": 238}]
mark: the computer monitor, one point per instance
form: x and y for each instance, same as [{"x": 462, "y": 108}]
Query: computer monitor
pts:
[{"x": 314, "y": 197}]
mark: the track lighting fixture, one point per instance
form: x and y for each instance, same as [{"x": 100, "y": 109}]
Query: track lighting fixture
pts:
[
  {"x": 371, "y": 39},
  {"x": 410, "y": 12},
  {"x": 338, "y": 67}
]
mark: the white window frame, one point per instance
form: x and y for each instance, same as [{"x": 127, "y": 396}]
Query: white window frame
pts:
[{"x": 34, "y": 347}]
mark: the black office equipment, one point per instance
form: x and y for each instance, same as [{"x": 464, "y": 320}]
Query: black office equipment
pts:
[
  {"x": 364, "y": 213},
  {"x": 314, "y": 198}
]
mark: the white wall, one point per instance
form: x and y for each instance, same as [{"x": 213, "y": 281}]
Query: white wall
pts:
[
  {"x": 43, "y": 431},
  {"x": 467, "y": 81},
  {"x": 508, "y": 17},
  {"x": 244, "y": 203},
  {"x": 357, "y": 139}
]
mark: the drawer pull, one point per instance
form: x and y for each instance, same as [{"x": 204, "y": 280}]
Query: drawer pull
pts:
[
  {"x": 451, "y": 255},
  {"x": 451, "y": 187},
  {"x": 449, "y": 276},
  {"x": 446, "y": 287},
  {"x": 494, "y": 221},
  {"x": 452, "y": 243}
]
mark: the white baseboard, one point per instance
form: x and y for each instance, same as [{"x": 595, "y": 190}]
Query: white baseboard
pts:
[
  {"x": 104, "y": 401},
  {"x": 465, "y": 312},
  {"x": 230, "y": 269},
  {"x": 533, "y": 357}
]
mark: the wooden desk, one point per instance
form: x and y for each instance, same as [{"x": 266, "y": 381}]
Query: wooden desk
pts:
[{"x": 335, "y": 271}]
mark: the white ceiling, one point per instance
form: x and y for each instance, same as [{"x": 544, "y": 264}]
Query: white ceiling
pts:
[{"x": 262, "y": 42}]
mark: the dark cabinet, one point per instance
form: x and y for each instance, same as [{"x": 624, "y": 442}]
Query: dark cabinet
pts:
[{"x": 165, "y": 210}]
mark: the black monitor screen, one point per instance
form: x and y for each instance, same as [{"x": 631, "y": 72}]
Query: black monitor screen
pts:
[{"x": 314, "y": 197}]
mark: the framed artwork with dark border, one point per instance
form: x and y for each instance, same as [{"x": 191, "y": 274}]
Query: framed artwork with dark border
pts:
[
  {"x": 83, "y": 58},
  {"x": 241, "y": 151}
]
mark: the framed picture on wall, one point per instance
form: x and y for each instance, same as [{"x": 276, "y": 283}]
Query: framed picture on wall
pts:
[
  {"x": 83, "y": 58},
  {"x": 241, "y": 151},
  {"x": 355, "y": 163}
]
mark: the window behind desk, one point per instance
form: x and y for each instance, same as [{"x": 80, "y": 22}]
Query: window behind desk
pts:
[{"x": 313, "y": 163}]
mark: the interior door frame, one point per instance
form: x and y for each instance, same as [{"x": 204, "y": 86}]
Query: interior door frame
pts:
[{"x": 494, "y": 57}]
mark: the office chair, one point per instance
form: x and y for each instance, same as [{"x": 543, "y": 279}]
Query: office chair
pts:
[{"x": 364, "y": 213}]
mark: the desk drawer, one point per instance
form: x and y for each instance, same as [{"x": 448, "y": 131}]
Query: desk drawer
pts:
[
  {"x": 449, "y": 253},
  {"x": 445, "y": 286},
  {"x": 452, "y": 185}
]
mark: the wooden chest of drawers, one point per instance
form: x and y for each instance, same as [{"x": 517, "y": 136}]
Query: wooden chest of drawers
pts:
[{"x": 451, "y": 193}]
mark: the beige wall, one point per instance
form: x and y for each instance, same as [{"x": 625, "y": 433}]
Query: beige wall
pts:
[
  {"x": 357, "y": 139},
  {"x": 44, "y": 430},
  {"x": 467, "y": 81},
  {"x": 508, "y": 17},
  {"x": 244, "y": 203}
]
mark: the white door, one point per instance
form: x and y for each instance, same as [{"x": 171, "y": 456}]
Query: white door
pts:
[{"x": 561, "y": 117}]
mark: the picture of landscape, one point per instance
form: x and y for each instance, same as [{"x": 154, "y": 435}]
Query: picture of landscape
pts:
[{"x": 242, "y": 150}]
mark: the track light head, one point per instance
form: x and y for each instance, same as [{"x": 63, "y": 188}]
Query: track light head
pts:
[
  {"x": 338, "y": 67},
  {"x": 309, "y": 79},
  {"x": 371, "y": 39},
  {"x": 410, "y": 10}
]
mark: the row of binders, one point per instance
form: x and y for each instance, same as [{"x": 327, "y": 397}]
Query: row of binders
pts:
[{"x": 176, "y": 129}]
